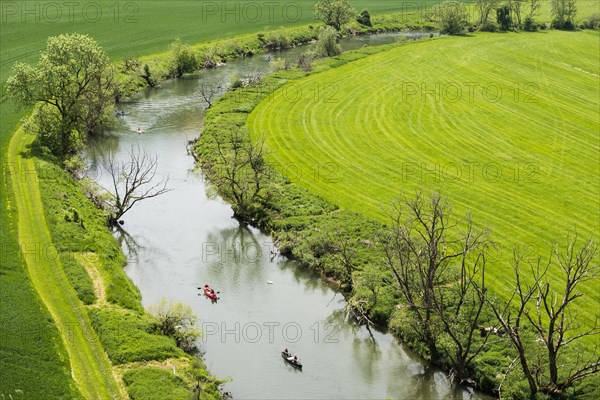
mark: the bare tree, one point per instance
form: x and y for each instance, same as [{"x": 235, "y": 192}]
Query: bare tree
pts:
[
  {"x": 534, "y": 8},
  {"x": 208, "y": 92},
  {"x": 132, "y": 181},
  {"x": 538, "y": 306},
  {"x": 423, "y": 252},
  {"x": 485, "y": 8},
  {"x": 240, "y": 173},
  {"x": 516, "y": 6}
]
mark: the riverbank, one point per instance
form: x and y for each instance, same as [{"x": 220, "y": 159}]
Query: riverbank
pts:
[
  {"x": 306, "y": 227},
  {"x": 118, "y": 288},
  {"x": 76, "y": 267}
]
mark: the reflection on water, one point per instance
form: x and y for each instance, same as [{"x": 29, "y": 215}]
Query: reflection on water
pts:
[{"x": 185, "y": 238}]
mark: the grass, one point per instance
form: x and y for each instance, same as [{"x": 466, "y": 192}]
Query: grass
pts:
[
  {"x": 149, "y": 26},
  {"x": 529, "y": 167},
  {"x": 90, "y": 366}
]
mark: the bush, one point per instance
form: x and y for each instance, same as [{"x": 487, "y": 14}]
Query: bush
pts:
[
  {"x": 488, "y": 26},
  {"x": 504, "y": 17},
  {"x": 327, "y": 46},
  {"x": 178, "y": 321},
  {"x": 280, "y": 63},
  {"x": 593, "y": 22},
  {"x": 452, "y": 16},
  {"x": 304, "y": 62},
  {"x": 529, "y": 24},
  {"x": 364, "y": 18},
  {"x": 277, "y": 40},
  {"x": 562, "y": 25},
  {"x": 182, "y": 59}
]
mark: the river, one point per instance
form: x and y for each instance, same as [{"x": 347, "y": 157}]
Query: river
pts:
[{"x": 187, "y": 237}]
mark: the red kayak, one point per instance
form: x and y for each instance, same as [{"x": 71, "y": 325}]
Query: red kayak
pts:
[{"x": 210, "y": 294}]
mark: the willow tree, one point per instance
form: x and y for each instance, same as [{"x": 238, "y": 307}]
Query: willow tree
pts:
[{"x": 72, "y": 88}]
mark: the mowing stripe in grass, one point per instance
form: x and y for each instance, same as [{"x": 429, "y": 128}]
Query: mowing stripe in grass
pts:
[
  {"x": 527, "y": 169},
  {"x": 90, "y": 366}
]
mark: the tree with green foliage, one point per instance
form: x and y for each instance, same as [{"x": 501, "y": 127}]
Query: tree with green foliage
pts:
[
  {"x": 73, "y": 89},
  {"x": 504, "y": 17},
  {"x": 182, "y": 59},
  {"x": 334, "y": 13},
  {"x": 452, "y": 17},
  {"x": 364, "y": 18},
  {"x": 563, "y": 14},
  {"x": 327, "y": 44},
  {"x": 177, "y": 320}
]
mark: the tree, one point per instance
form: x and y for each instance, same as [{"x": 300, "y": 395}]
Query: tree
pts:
[
  {"x": 241, "y": 172},
  {"x": 132, "y": 181},
  {"x": 334, "y": 13},
  {"x": 452, "y": 16},
  {"x": 534, "y": 8},
  {"x": 563, "y": 14},
  {"x": 177, "y": 320},
  {"x": 73, "y": 88},
  {"x": 539, "y": 306},
  {"x": 516, "y": 7},
  {"x": 327, "y": 45},
  {"x": 364, "y": 18},
  {"x": 503, "y": 17},
  {"x": 208, "y": 92},
  {"x": 435, "y": 269},
  {"x": 485, "y": 7},
  {"x": 182, "y": 59}
]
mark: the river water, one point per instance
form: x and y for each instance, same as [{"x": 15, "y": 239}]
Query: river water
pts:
[{"x": 187, "y": 237}]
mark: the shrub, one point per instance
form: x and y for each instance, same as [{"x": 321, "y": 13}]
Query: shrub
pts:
[
  {"x": 488, "y": 26},
  {"x": 593, "y": 22},
  {"x": 280, "y": 63},
  {"x": 182, "y": 59},
  {"x": 328, "y": 45},
  {"x": 210, "y": 58},
  {"x": 529, "y": 24},
  {"x": 304, "y": 62},
  {"x": 178, "y": 321},
  {"x": 277, "y": 40},
  {"x": 504, "y": 17},
  {"x": 364, "y": 18},
  {"x": 452, "y": 16}
]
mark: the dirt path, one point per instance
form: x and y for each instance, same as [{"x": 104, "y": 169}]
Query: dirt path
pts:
[{"x": 90, "y": 367}]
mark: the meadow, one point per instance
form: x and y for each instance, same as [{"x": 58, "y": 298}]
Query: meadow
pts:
[{"x": 504, "y": 125}]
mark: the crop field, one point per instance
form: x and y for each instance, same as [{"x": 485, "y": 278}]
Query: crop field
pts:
[
  {"x": 505, "y": 126},
  {"x": 134, "y": 28}
]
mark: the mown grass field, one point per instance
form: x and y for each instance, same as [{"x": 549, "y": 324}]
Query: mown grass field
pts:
[{"x": 447, "y": 115}]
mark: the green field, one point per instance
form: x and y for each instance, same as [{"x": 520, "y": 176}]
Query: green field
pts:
[{"x": 526, "y": 166}]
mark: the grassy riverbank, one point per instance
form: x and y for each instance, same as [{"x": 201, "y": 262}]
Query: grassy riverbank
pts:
[
  {"x": 316, "y": 229},
  {"x": 32, "y": 348}
]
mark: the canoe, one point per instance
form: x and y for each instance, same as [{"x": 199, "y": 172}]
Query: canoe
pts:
[
  {"x": 290, "y": 360},
  {"x": 209, "y": 294}
]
